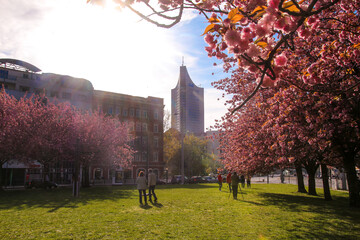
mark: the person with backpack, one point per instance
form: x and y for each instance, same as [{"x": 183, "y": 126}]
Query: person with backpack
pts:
[
  {"x": 152, "y": 184},
  {"x": 141, "y": 186}
]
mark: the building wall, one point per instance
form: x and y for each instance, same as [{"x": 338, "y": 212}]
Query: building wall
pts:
[
  {"x": 56, "y": 87},
  {"x": 187, "y": 105},
  {"x": 144, "y": 117}
]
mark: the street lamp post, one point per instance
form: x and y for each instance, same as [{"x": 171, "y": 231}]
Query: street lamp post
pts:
[
  {"x": 166, "y": 174},
  {"x": 182, "y": 160},
  {"x": 182, "y": 135}
]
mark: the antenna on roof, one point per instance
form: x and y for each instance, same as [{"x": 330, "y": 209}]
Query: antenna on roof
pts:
[{"x": 183, "y": 61}]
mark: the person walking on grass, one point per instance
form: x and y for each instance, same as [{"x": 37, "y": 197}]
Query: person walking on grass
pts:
[
  {"x": 141, "y": 186},
  {"x": 228, "y": 180},
  {"x": 234, "y": 184},
  {"x": 220, "y": 180},
  {"x": 242, "y": 181},
  {"x": 248, "y": 182},
  {"x": 152, "y": 184}
]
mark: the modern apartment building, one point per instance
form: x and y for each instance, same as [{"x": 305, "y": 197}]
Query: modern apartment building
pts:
[
  {"x": 144, "y": 116},
  {"x": 187, "y": 105},
  {"x": 20, "y": 78}
]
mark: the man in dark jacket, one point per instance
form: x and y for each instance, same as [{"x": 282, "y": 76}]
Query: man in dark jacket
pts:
[
  {"x": 234, "y": 184},
  {"x": 228, "y": 180}
]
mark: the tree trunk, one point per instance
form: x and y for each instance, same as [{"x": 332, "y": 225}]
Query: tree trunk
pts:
[
  {"x": 311, "y": 170},
  {"x": 325, "y": 178},
  {"x": 1, "y": 177},
  {"x": 349, "y": 166},
  {"x": 85, "y": 180},
  {"x": 300, "y": 178},
  {"x": 45, "y": 172},
  {"x": 76, "y": 180}
]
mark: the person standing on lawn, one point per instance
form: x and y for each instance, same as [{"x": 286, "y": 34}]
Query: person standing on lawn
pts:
[
  {"x": 248, "y": 182},
  {"x": 220, "y": 180},
  {"x": 152, "y": 184},
  {"x": 141, "y": 186},
  {"x": 242, "y": 181},
  {"x": 234, "y": 184},
  {"x": 228, "y": 180}
]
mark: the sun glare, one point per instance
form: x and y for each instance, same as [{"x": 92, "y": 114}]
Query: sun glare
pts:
[{"x": 103, "y": 45}]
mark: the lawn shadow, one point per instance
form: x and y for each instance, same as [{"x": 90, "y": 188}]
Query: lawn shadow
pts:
[
  {"x": 146, "y": 207},
  {"x": 65, "y": 204},
  {"x": 332, "y": 215},
  {"x": 62, "y": 197},
  {"x": 188, "y": 186},
  {"x": 337, "y": 208},
  {"x": 157, "y": 204}
]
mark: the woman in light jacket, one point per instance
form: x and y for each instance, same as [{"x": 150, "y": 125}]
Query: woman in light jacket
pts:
[{"x": 141, "y": 186}]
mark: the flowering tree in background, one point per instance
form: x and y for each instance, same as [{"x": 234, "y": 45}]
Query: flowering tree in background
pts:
[
  {"x": 48, "y": 130},
  {"x": 50, "y": 133},
  {"x": 13, "y": 117},
  {"x": 100, "y": 139}
]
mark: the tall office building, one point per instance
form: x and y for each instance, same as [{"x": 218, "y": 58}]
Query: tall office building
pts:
[{"x": 187, "y": 105}]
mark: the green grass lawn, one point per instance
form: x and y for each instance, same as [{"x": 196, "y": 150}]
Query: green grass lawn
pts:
[{"x": 268, "y": 211}]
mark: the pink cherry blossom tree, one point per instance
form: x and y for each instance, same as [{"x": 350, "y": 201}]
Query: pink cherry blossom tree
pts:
[
  {"x": 13, "y": 117},
  {"x": 48, "y": 130},
  {"x": 50, "y": 133},
  {"x": 100, "y": 139}
]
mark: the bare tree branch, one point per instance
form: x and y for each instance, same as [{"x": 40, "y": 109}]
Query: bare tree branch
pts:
[{"x": 176, "y": 20}]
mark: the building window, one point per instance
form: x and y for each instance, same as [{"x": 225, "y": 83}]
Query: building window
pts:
[
  {"x": 144, "y": 141},
  {"x": 66, "y": 95},
  {"x": 24, "y": 89},
  {"x": 144, "y": 157},
  {"x": 110, "y": 110},
  {"x": 156, "y": 157},
  {"x": 117, "y": 110},
  {"x": 145, "y": 114},
  {"x": 137, "y": 112},
  {"x": 54, "y": 94},
  {"x": 137, "y": 141},
  {"x": 156, "y": 142},
  {"x": 156, "y": 115},
  {"x": 125, "y": 112},
  {"x": 138, "y": 127},
  {"x": 131, "y": 112},
  {"x": 137, "y": 157},
  {"x": 156, "y": 128},
  {"x": 144, "y": 127},
  {"x": 25, "y": 75}
]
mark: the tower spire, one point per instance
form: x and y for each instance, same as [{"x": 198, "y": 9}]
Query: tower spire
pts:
[{"x": 182, "y": 60}]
